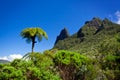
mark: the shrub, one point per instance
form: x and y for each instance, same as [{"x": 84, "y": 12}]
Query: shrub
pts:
[{"x": 71, "y": 65}]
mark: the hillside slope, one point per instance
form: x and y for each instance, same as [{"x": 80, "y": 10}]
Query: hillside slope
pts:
[{"x": 89, "y": 37}]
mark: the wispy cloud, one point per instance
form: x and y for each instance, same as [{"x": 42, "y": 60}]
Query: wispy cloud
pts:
[
  {"x": 11, "y": 57},
  {"x": 117, "y": 14}
]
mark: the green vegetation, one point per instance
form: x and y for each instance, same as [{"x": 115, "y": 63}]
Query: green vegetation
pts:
[
  {"x": 71, "y": 65},
  {"x": 42, "y": 68},
  {"x": 50, "y": 65},
  {"x": 100, "y": 41},
  {"x": 93, "y": 53}
]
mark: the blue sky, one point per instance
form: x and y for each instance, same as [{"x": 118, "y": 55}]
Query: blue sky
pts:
[{"x": 51, "y": 16}]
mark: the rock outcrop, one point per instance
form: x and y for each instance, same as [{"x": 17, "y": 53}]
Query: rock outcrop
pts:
[{"x": 63, "y": 34}]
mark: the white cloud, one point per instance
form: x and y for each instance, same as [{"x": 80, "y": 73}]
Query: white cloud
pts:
[
  {"x": 11, "y": 57},
  {"x": 4, "y": 58},
  {"x": 117, "y": 14}
]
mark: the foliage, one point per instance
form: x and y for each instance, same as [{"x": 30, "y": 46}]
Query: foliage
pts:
[
  {"x": 71, "y": 65},
  {"x": 9, "y": 72},
  {"x": 67, "y": 57},
  {"x": 41, "y": 68},
  {"x": 30, "y": 32}
]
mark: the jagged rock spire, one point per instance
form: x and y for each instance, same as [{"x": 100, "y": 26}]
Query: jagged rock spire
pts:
[{"x": 63, "y": 34}]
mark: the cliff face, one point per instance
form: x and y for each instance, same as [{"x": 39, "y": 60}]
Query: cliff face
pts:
[
  {"x": 63, "y": 34},
  {"x": 96, "y": 22},
  {"x": 93, "y": 26}
]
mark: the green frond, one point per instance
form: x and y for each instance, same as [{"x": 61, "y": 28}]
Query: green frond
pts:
[
  {"x": 45, "y": 35},
  {"x": 28, "y": 33},
  {"x": 28, "y": 40},
  {"x": 26, "y": 56},
  {"x": 41, "y": 33}
]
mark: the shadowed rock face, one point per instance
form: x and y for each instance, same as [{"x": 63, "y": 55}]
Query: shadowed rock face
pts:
[
  {"x": 97, "y": 25},
  {"x": 80, "y": 34},
  {"x": 94, "y": 26},
  {"x": 95, "y": 22},
  {"x": 63, "y": 34}
]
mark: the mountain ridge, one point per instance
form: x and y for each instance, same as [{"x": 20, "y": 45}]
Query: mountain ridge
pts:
[{"x": 91, "y": 34}]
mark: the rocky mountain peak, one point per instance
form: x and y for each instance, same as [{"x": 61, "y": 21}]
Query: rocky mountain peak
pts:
[
  {"x": 97, "y": 25},
  {"x": 63, "y": 34},
  {"x": 95, "y": 22}
]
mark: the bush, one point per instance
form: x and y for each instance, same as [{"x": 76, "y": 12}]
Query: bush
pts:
[{"x": 71, "y": 65}]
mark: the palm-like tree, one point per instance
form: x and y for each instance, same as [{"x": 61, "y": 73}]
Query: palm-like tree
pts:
[{"x": 32, "y": 33}]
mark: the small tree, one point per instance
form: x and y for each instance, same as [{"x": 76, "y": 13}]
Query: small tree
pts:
[{"x": 32, "y": 33}]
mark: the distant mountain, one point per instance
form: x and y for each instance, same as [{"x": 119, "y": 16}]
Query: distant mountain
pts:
[
  {"x": 89, "y": 36},
  {"x": 4, "y": 61}
]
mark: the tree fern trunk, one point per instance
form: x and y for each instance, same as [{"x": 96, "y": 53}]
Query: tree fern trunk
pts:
[
  {"x": 33, "y": 46},
  {"x": 33, "y": 43}
]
